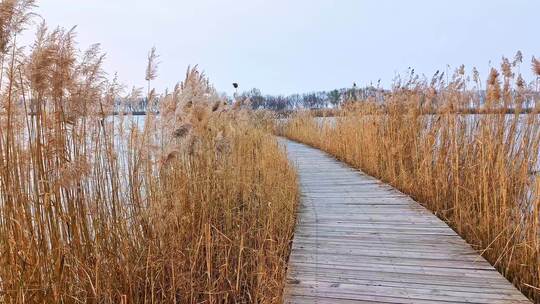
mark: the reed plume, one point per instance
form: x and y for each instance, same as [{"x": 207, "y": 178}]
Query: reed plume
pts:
[{"x": 536, "y": 66}]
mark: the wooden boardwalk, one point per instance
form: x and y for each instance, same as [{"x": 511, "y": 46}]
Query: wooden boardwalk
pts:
[{"x": 359, "y": 240}]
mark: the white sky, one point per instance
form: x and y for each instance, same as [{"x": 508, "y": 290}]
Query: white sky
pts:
[{"x": 291, "y": 46}]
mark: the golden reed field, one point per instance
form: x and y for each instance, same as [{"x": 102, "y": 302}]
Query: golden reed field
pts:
[
  {"x": 478, "y": 172},
  {"x": 194, "y": 205}
]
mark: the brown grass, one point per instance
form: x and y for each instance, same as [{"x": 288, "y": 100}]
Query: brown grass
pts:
[
  {"x": 195, "y": 206},
  {"x": 477, "y": 172}
]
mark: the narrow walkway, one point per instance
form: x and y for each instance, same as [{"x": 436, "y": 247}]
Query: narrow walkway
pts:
[{"x": 359, "y": 240}]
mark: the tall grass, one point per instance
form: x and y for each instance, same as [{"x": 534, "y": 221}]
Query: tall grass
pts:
[
  {"x": 195, "y": 205},
  {"x": 477, "y": 172}
]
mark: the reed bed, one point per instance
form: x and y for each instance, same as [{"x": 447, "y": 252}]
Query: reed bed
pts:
[
  {"x": 195, "y": 205},
  {"x": 477, "y": 172}
]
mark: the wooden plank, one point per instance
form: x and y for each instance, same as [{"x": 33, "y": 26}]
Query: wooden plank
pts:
[{"x": 358, "y": 240}]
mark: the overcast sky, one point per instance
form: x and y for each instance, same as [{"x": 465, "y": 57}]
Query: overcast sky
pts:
[{"x": 286, "y": 46}]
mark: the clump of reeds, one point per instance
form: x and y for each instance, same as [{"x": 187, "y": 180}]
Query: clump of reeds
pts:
[
  {"x": 478, "y": 172},
  {"x": 195, "y": 205}
]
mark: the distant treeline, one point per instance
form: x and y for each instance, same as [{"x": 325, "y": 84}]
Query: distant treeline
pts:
[
  {"x": 313, "y": 100},
  {"x": 321, "y": 103},
  {"x": 328, "y": 103},
  {"x": 279, "y": 103}
]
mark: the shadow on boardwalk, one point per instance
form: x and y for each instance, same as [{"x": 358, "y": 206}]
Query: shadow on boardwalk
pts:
[{"x": 359, "y": 240}]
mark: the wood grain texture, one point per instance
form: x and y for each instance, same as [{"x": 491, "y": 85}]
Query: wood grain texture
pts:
[{"x": 359, "y": 240}]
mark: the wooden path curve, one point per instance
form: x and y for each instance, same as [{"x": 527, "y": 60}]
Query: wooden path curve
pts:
[{"x": 359, "y": 240}]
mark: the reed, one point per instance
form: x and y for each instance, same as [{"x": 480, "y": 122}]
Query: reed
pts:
[
  {"x": 478, "y": 172},
  {"x": 194, "y": 205}
]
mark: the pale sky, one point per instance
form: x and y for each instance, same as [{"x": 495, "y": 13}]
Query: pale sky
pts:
[{"x": 288, "y": 46}]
